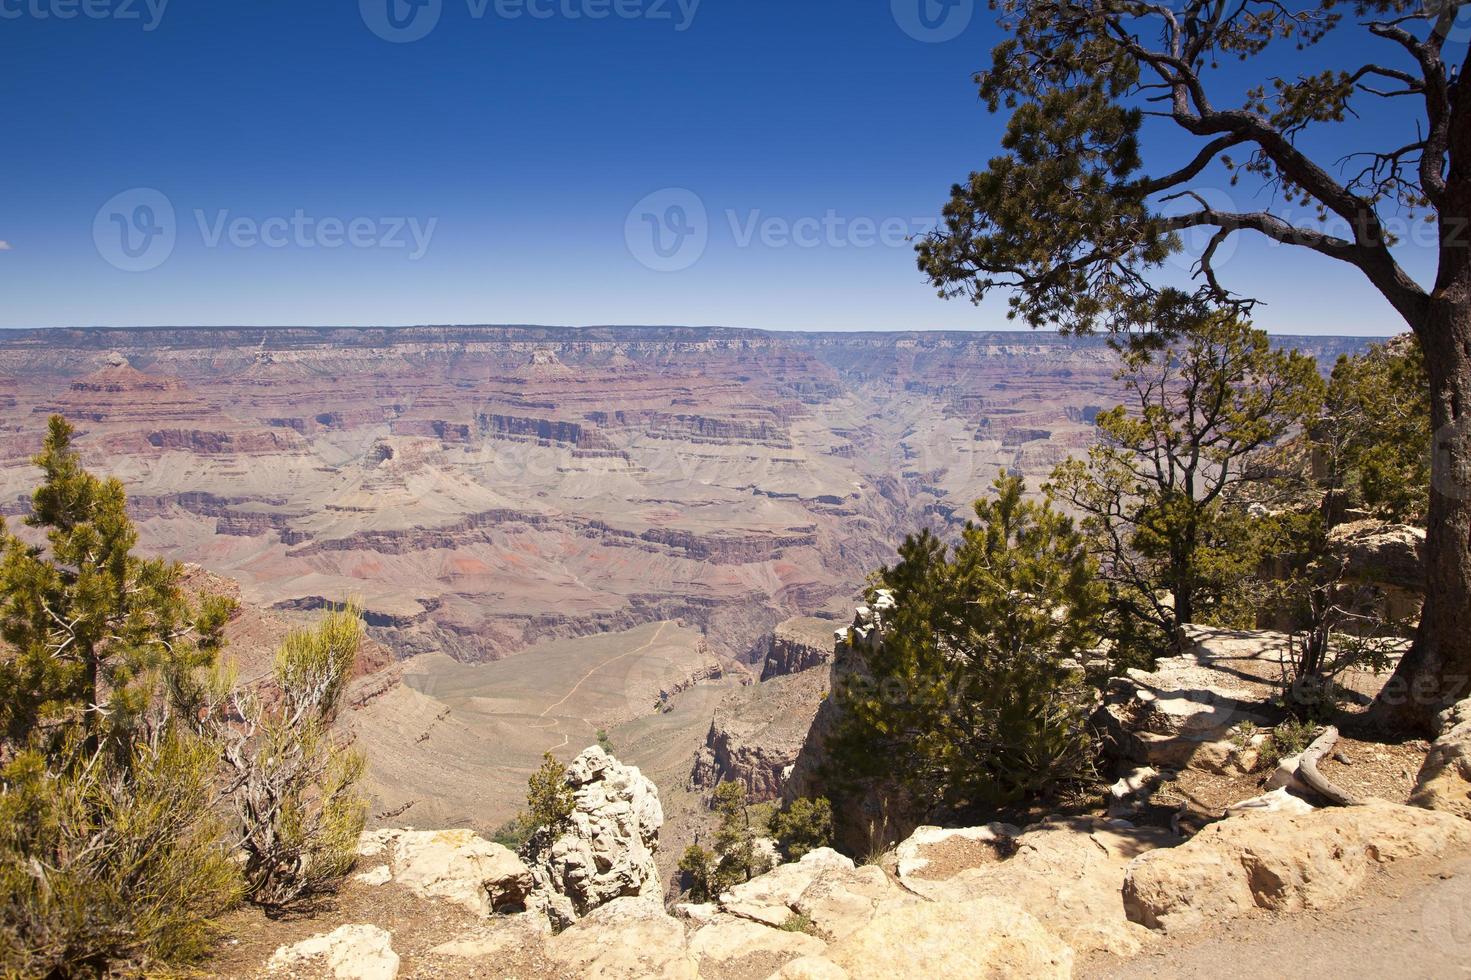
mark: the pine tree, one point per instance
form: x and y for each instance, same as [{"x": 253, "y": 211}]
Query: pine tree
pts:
[
  {"x": 1073, "y": 220},
  {"x": 1161, "y": 493},
  {"x": 549, "y": 800},
  {"x": 111, "y": 850},
  {"x": 975, "y": 697}
]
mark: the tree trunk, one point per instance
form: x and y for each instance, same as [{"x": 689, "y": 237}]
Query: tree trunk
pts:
[{"x": 1436, "y": 672}]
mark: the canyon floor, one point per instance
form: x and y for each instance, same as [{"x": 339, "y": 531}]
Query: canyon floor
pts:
[{"x": 456, "y": 742}]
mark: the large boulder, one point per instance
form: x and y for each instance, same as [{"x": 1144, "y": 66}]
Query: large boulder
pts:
[
  {"x": 626, "y": 939},
  {"x": 1067, "y": 873},
  {"x": 1183, "y": 713},
  {"x": 952, "y": 941},
  {"x": 352, "y": 952},
  {"x": 1445, "y": 779},
  {"x": 1279, "y": 861},
  {"x": 1381, "y": 553},
  {"x": 606, "y": 851},
  {"x": 454, "y": 865},
  {"x": 769, "y": 898}
]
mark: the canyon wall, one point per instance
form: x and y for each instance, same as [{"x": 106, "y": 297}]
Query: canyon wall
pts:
[{"x": 482, "y": 489}]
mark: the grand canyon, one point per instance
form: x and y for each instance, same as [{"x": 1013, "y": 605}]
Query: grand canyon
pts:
[{"x": 555, "y": 531}]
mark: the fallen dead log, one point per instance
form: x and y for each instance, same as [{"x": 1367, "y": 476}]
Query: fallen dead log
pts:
[{"x": 1308, "y": 774}]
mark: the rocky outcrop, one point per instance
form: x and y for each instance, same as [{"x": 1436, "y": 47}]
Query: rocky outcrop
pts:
[
  {"x": 453, "y": 865},
  {"x": 1184, "y": 712},
  {"x": 757, "y": 733},
  {"x": 1380, "y": 552},
  {"x": 1387, "y": 558},
  {"x": 796, "y": 645},
  {"x": 1445, "y": 780},
  {"x": 984, "y": 938},
  {"x": 606, "y": 850},
  {"x": 626, "y": 938},
  {"x": 352, "y": 952},
  {"x": 880, "y": 814},
  {"x": 1280, "y": 862},
  {"x": 771, "y": 898},
  {"x": 1067, "y": 873}
]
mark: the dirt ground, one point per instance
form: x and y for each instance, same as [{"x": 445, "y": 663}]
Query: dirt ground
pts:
[
  {"x": 249, "y": 938},
  {"x": 1411, "y": 921}
]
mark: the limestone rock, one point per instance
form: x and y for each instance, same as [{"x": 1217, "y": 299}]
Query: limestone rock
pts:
[
  {"x": 1279, "y": 861},
  {"x": 454, "y": 865},
  {"x": 1445, "y": 779},
  {"x": 769, "y": 897},
  {"x": 839, "y": 902},
  {"x": 1277, "y": 801},
  {"x": 1182, "y": 714},
  {"x": 952, "y": 941},
  {"x": 1380, "y": 552},
  {"x": 740, "y": 946},
  {"x": 810, "y": 968},
  {"x": 607, "y": 850},
  {"x": 1067, "y": 873},
  {"x": 626, "y": 939},
  {"x": 351, "y": 952}
]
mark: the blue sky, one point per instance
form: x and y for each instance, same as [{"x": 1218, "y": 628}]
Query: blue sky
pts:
[{"x": 506, "y": 168}]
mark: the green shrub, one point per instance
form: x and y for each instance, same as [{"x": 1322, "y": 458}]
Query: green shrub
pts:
[
  {"x": 298, "y": 809},
  {"x": 112, "y": 854},
  {"x": 111, "y": 868},
  {"x": 119, "y": 739},
  {"x": 1287, "y": 740},
  {"x": 549, "y": 800},
  {"x": 797, "y": 922},
  {"x": 515, "y": 832},
  {"x": 804, "y": 826},
  {"x": 698, "y": 868},
  {"x": 735, "y": 839},
  {"x": 976, "y": 699}
]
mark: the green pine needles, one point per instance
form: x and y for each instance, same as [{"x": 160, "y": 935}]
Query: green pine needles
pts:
[
  {"x": 134, "y": 776},
  {"x": 976, "y": 698}
]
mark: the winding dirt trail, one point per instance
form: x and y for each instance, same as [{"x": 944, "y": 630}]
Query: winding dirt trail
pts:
[{"x": 556, "y": 722}]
